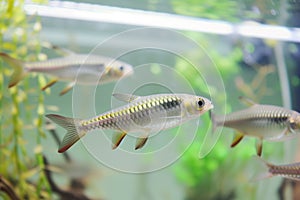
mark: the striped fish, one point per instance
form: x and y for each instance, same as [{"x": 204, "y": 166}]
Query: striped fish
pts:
[
  {"x": 289, "y": 171},
  {"x": 265, "y": 122},
  {"x": 73, "y": 68},
  {"x": 142, "y": 114}
]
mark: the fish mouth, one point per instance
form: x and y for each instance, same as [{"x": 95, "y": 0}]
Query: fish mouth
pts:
[
  {"x": 129, "y": 72},
  {"x": 210, "y": 106}
]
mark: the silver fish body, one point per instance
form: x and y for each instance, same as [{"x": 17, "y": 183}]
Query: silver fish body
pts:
[
  {"x": 84, "y": 69},
  {"x": 265, "y": 122},
  {"x": 147, "y": 113},
  {"x": 143, "y": 114},
  {"x": 289, "y": 171},
  {"x": 73, "y": 68},
  {"x": 262, "y": 121}
]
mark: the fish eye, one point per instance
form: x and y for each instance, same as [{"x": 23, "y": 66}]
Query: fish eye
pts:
[
  {"x": 121, "y": 68},
  {"x": 200, "y": 103}
]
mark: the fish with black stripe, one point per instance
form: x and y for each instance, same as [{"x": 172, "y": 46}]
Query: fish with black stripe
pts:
[
  {"x": 265, "y": 122},
  {"x": 289, "y": 171},
  {"x": 142, "y": 114}
]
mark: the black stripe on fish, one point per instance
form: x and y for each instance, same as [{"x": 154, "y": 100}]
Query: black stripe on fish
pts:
[
  {"x": 285, "y": 170},
  {"x": 280, "y": 120},
  {"x": 170, "y": 104}
]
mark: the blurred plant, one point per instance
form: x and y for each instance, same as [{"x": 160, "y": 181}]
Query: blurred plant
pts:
[
  {"x": 199, "y": 175},
  {"x": 223, "y": 174},
  {"x": 216, "y": 176},
  {"x": 258, "y": 87},
  {"x": 211, "y": 9},
  {"x": 262, "y": 11},
  {"x": 19, "y": 36},
  {"x": 234, "y": 11},
  {"x": 78, "y": 184},
  {"x": 24, "y": 171}
]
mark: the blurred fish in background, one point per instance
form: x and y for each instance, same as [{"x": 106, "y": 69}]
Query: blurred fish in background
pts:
[{"x": 73, "y": 68}]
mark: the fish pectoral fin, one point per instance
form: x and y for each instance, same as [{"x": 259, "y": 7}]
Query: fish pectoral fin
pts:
[
  {"x": 169, "y": 117},
  {"x": 237, "y": 138},
  {"x": 285, "y": 135},
  {"x": 287, "y": 131},
  {"x": 67, "y": 88},
  {"x": 106, "y": 70},
  {"x": 125, "y": 97},
  {"x": 140, "y": 142},
  {"x": 259, "y": 146},
  {"x": 117, "y": 139},
  {"x": 49, "y": 84},
  {"x": 247, "y": 101}
]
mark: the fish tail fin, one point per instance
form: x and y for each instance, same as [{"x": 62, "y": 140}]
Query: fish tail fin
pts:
[
  {"x": 18, "y": 67},
  {"x": 214, "y": 122},
  {"x": 74, "y": 132},
  {"x": 263, "y": 170},
  {"x": 211, "y": 138}
]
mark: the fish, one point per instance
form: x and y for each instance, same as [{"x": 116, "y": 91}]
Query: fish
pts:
[
  {"x": 141, "y": 114},
  {"x": 74, "y": 68},
  {"x": 289, "y": 171},
  {"x": 264, "y": 122}
]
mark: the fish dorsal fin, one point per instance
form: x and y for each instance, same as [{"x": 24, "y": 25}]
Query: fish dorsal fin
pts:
[
  {"x": 237, "y": 138},
  {"x": 126, "y": 97},
  {"x": 259, "y": 146},
  {"x": 117, "y": 139},
  {"x": 140, "y": 142},
  {"x": 247, "y": 101},
  {"x": 58, "y": 50}
]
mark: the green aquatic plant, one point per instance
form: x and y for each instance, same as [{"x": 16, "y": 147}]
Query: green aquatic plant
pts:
[
  {"x": 211, "y": 9},
  {"x": 200, "y": 175},
  {"x": 25, "y": 172},
  {"x": 19, "y": 36},
  {"x": 224, "y": 173}
]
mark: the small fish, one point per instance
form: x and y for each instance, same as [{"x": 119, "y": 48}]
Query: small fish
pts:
[
  {"x": 289, "y": 171},
  {"x": 73, "y": 68},
  {"x": 142, "y": 114},
  {"x": 265, "y": 122}
]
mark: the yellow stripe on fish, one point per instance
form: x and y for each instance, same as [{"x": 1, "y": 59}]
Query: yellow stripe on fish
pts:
[{"x": 142, "y": 114}]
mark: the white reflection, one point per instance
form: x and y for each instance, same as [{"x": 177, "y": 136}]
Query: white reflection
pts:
[{"x": 98, "y": 13}]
